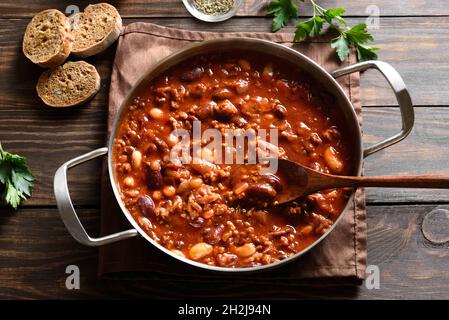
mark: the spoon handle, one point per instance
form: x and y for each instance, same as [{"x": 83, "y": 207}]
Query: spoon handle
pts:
[{"x": 421, "y": 181}]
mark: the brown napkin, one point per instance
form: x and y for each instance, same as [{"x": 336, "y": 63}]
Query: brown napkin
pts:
[{"x": 341, "y": 254}]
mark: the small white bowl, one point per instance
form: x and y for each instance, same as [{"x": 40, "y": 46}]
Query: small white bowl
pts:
[{"x": 212, "y": 18}]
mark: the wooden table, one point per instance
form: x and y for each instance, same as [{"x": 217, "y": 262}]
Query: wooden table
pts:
[{"x": 35, "y": 247}]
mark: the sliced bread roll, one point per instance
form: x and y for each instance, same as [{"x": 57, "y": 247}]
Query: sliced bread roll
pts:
[
  {"x": 95, "y": 29},
  {"x": 68, "y": 85},
  {"x": 47, "y": 40}
]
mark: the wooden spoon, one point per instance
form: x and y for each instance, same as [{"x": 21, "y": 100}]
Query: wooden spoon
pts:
[{"x": 299, "y": 181}]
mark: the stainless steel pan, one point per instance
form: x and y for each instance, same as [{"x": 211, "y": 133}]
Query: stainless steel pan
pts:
[{"x": 61, "y": 189}]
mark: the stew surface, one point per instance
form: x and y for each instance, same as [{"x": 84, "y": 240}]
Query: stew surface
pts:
[{"x": 220, "y": 214}]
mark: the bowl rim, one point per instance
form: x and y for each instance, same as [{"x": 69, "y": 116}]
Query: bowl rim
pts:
[
  {"x": 194, "y": 50},
  {"x": 212, "y": 18}
]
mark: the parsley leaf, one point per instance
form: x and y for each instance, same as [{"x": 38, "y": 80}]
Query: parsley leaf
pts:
[
  {"x": 341, "y": 45},
  {"x": 304, "y": 29},
  {"x": 359, "y": 34},
  {"x": 334, "y": 13},
  {"x": 347, "y": 37},
  {"x": 282, "y": 11},
  {"x": 16, "y": 178},
  {"x": 366, "y": 53}
]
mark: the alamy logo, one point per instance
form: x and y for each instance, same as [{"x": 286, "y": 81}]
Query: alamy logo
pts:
[
  {"x": 74, "y": 21},
  {"x": 373, "y": 20},
  {"x": 372, "y": 280},
  {"x": 229, "y": 146},
  {"x": 73, "y": 280}
]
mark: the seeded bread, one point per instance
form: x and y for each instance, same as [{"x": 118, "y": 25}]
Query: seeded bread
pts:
[
  {"x": 95, "y": 29},
  {"x": 68, "y": 85},
  {"x": 47, "y": 40}
]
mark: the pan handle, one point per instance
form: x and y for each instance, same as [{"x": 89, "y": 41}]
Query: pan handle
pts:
[
  {"x": 402, "y": 96},
  {"x": 67, "y": 211}
]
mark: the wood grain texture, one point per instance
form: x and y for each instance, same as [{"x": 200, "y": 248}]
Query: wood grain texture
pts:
[
  {"x": 35, "y": 249},
  {"x": 424, "y": 151},
  {"x": 416, "y": 47},
  {"x": 165, "y": 8}
]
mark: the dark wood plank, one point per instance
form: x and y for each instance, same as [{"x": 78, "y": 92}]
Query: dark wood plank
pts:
[
  {"x": 50, "y": 137},
  {"x": 172, "y": 8},
  {"x": 424, "y": 151},
  {"x": 416, "y": 47},
  {"x": 36, "y": 248}
]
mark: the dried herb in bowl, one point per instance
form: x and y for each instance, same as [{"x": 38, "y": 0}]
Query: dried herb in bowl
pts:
[{"x": 213, "y": 7}]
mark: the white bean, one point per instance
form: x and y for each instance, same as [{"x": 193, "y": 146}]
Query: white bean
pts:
[
  {"x": 156, "y": 113},
  {"x": 267, "y": 72},
  {"x": 200, "y": 250},
  {"x": 246, "y": 250},
  {"x": 332, "y": 160},
  {"x": 172, "y": 140},
  {"x": 244, "y": 64},
  {"x": 136, "y": 158},
  {"x": 196, "y": 183},
  {"x": 169, "y": 191},
  {"x": 177, "y": 252},
  {"x": 129, "y": 181}
]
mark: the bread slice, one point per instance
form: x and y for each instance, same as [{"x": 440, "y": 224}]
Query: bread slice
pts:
[
  {"x": 95, "y": 29},
  {"x": 68, "y": 85},
  {"x": 47, "y": 40}
]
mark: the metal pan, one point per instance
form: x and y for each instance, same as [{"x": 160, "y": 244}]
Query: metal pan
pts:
[{"x": 326, "y": 79}]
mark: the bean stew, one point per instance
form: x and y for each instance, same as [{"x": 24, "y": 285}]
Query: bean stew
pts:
[{"x": 221, "y": 214}]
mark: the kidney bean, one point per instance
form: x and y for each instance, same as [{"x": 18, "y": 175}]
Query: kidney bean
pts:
[
  {"x": 205, "y": 111},
  {"x": 232, "y": 69},
  {"x": 222, "y": 93},
  {"x": 331, "y": 134},
  {"x": 146, "y": 205},
  {"x": 192, "y": 75},
  {"x": 280, "y": 111},
  {"x": 261, "y": 191},
  {"x": 239, "y": 121},
  {"x": 154, "y": 179},
  {"x": 225, "y": 109},
  {"x": 273, "y": 180},
  {"x": 283, "y": 230},
  {"x": 197, "y": 222},
  {"x": 226, "y": 259},
  {"x": 214, "y": 235},
  {"x": 315, "y": 138},
  {"x": 197, "y": 90},
  {"x": 241, "y": 86}
]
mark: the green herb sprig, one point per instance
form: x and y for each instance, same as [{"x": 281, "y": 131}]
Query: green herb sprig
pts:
[
  {"x": 347, "y": 37},
  {"x": 282, "y": 12},
  {"x": 15, "y": 178}
]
